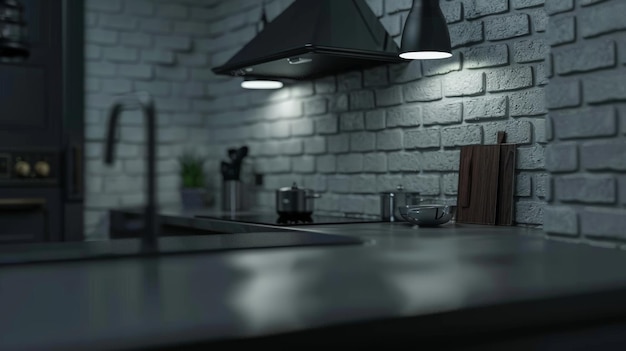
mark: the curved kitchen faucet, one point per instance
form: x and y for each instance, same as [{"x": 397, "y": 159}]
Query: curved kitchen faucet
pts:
[{"x": 144, "y": 102}]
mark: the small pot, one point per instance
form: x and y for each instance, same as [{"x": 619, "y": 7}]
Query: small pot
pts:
[{"x": 295, "y": 201}]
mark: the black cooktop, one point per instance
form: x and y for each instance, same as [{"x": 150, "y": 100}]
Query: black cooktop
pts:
[{"x": 291, "y": 220}]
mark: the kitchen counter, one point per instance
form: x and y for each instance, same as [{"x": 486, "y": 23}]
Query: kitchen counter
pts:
[{"x": 456, "y": 285}]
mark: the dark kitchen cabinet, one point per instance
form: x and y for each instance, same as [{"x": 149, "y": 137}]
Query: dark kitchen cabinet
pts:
[{"x": 41, "y": 128}]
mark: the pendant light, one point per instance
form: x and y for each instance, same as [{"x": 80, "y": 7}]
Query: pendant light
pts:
[
  {"x": 425, "y": 35},
  {"x": 13, "y": 43}
]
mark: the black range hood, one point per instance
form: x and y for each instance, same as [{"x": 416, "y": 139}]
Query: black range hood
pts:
[{"x": 315, "y": 38}]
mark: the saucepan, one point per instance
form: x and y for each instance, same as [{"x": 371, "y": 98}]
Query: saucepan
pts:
[
  {"x": 295, "y": 201},
  {"x": 428, "y": 214}
]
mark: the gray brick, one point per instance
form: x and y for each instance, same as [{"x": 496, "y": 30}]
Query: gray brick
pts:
[
  {"x": 389, "y": 96},
  {"x": 325, "y": 85},
  {"x": 589, "y": 2},
  {"x": 351, "y": 121},
  {"x": 560, "y": 220},
  {"x": 316, "y": 182},
  {"x": 464, "y": 33},
  {"x": 350, "y": 81},
  {"x": 362, "y": 141},
  {"x": 92, "y": 52},
  {"x": 338, "y": 143},
  {"x": 438, "y": 67},
  {"x": 361, "y": 100},
  {"x": 116, "y": 86},
  {"x": 119, "y": 22},
  {"x": 390, "y": 139},
  {"x": 280, "y": 129},
  {"x": 405, "y": 72},
  {"x": 156, "y": 88},
  {"x": 605, "y": 87},
  {"x": 407, "y": 115},
  {"x": 442, "y": 114},
  {"x": 562, "y": 94},
  {"x": 303, "y": 164},
  {"x": 606, "y": 155},
  {"x": 338, "y": 103},
  {"x": 138, "y": 40},
  {"x": 139, "y": 7},
  {"x": 170, "y": 73},
  {"x": 314, "y": 145},
  {"x": 422, "y": 139},
  {"x": 585, "y": 123},
  {"x": 481, "y": 8},
  {"x": 139, "y": 71},
  {"x": 529, "y": 212},
  {"x": 328, "y": 124},
  {"x": 530, "y": 102},
  {"x": 541, "y": 185},
  {"x": 104, "y": 6},
  {"x": 506, "y": 27},
  {"x": 466, "y": 83},
  {"x": 388, "y": 182},
  {"x": 598, "y": 189},
  {"x": 522, "y": 4},
  {"x": 523, "y": 185},
  {"x": 374, "y": 77},
  {"x": 362, "y": 184},
  {"x": 557, "y": 6},
  {"x": 621, "y": 179},
  {"x": 427, "y": 185},
  {"x": 504, "y": 79},
  {"x": 326, "y": 164},
  {"x": 173, "y": 42},
  {"x": 452, "y": 11},
  {"x": 561, "y": 31},
  {"x": 316, "y": 106},
  {"x": 375, "y": 120},
  {"x": 530, "y": 50},
  {"x": 517, "y": 131},
  {"x": 459, "y": 136},
  {"x": 423, "y": 90},
  {"x": 119, "y": 54},
  {"x": 375, "y": 162},
  {"x": 541, "y": 74},
  {"x": 171, "y": 11},
  {"x": 539, "y": 18},
  {"x": 397, "y": 6},
  {"x": 403, "y": 161},
  {"x": 352, "y": 163},
  {"x": 603, "y": 18},
  {"x": 450, "y": 183},
  {"x": 441, "y": 160},
  {"x": 486, "y": 56},
  {"x": 191, "y": 28},
  {"x": 530, "y": 158},
  {"x": 603, "y": 223},
  {"x": 485, "y": 108},
  {"x": 156, "y": 26},
  {"x": 101, "y": 36},
  {"x": 302, "y": 127},
  {"x": 562, "y": 158},
  {"x": 585, "y": 57}
]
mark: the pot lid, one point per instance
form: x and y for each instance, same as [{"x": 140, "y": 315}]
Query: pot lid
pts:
[{"x": 293, "y": 187}]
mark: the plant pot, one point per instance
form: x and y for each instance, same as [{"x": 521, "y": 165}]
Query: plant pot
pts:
[{"x": 193, "y": 197}]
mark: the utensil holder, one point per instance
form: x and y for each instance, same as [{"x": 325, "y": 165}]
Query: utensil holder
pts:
[{"x": 232, "y": 195}]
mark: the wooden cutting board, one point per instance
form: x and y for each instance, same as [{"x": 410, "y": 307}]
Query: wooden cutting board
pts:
[{"x": 486, "y": 184}]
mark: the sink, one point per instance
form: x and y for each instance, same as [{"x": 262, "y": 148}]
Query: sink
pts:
[{"x": 125, "y": 248}]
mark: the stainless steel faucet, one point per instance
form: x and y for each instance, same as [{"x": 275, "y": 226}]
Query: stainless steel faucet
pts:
[{"x": 144, "y": 102}]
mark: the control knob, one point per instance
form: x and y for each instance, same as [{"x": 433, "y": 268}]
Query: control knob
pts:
[
  {"x": 22, "y": 168},
  {"x": 42, "y": 168}
]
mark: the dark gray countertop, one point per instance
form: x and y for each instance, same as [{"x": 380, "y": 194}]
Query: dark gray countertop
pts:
[{"x": 402, "y": 272}]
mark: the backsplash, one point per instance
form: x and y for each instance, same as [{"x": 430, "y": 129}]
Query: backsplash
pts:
[
  {"x": 348, "y": 136},
  {"x": 587, "y": 122},
  {"x": 353, "y": 135}
]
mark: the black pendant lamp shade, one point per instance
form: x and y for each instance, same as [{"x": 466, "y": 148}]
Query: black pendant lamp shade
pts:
[
  {"x": 13, "y": 43},
  {"x": 425, "y": 35}
]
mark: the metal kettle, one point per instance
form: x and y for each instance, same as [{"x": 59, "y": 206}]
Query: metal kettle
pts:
[{"x": 13, "y": 31}]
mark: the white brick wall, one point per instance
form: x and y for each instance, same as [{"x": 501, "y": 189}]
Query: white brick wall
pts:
[
  {"x": 154, "y": 46},
  {"x": 367, "y": 131},
  {"x": 586, "y": 155}
]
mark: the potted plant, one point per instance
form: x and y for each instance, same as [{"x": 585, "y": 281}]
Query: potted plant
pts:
[{"x": 193, "y": 191}]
